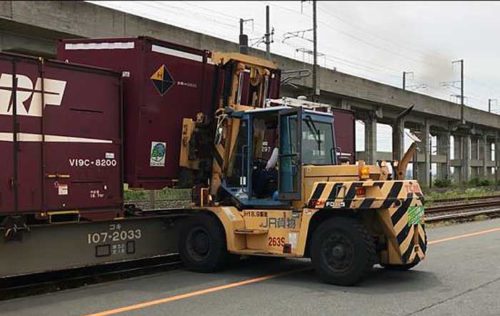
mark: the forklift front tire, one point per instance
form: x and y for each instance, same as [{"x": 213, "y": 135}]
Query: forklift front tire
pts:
[{"x": 202, "y": 244}]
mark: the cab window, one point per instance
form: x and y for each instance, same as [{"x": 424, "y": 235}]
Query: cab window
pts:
[{"x": 317, "y": 142}]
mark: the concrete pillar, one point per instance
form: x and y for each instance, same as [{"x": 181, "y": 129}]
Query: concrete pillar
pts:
[
  {"x": 473, "y": 156},
  {"x": 491, "y": 158},
  {"x": 415, "y": 158},
  {"x": 457, "y": 156},
  {"x": 344, "y": 104},
  {"x": 443, "y": 149},
  {"x": 474, "y": 148},
  {"x": 483, "y": 155},
  {"x": 370, "y": 139},
  {"x": 457, "y": 147},
  {"x": 466, "y": 156},
  {"x": 424, "y": 165},
  {"x": 398, "y": 141},
  {"x": 497, "y": 158}
]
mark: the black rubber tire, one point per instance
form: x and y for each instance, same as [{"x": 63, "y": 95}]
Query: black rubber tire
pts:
[
  {"x": 400, "y": 267},
  {"x": 202, "y": 244},
  {"x": 342, "y": 251}
]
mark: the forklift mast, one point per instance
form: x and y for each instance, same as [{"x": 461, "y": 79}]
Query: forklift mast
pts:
[{"x": 248, "y": 82}]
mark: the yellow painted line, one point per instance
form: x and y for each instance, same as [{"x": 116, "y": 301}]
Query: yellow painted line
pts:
[
  {"x": 195, "y": 293},
  {"x": 250, "y": 281},
  {"x": 482, "y": 232}
]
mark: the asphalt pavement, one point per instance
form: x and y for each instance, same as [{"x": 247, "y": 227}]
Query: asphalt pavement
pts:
[{"x": 460, "y": 276}]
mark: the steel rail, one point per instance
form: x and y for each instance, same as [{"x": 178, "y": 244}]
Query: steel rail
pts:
[
  {"x": 460, "y": 199},
  {"x": 465, "y": 215},
  {"x": 463, "y": 211},
  {"x": 462, "y": 206},
  {"x": 26, "y": 285}
]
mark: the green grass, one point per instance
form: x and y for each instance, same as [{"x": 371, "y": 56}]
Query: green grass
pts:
[
  {"x": 165, "y": 194},
  {"x": 458, "y": 192},
  {"x": 430, "y": 194}
]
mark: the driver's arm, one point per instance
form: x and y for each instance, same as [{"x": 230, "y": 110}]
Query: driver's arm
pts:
[{"x": 271, "y": 163}]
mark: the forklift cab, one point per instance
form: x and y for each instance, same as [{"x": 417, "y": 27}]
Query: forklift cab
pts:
[{"x": 303, "y": 137}]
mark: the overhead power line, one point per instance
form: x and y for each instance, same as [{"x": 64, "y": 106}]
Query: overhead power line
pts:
[
  {"x": 297, "y": 34},
  {"x": 358, "y": 39},
  {"x": 404, "y": 51}
]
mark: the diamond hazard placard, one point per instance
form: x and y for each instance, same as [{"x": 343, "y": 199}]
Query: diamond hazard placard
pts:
[{"x": 162, "y": 80}]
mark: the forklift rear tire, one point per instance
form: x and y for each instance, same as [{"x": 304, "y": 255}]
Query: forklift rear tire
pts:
[
  {"x": 202, "y": 244},
  {"x": 400, "y": 267},
  {"x": 342, "y": 251}
]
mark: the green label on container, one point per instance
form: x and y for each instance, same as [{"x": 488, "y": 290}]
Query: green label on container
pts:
[
  {"x": 158, "y": 153},
  {"x": 415, "y": 215}
]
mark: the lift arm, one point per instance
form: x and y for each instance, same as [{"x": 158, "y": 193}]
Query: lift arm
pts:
[{"x": 403, "y": 164}]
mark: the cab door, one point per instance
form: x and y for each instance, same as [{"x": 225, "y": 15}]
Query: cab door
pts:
[{"x": 289, "y": 176}]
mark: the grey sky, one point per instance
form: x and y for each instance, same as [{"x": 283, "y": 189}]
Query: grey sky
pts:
[{"x": 374, "y": 40}]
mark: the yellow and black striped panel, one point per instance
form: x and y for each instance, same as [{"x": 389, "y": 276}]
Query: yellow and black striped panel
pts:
[
  {"x": 414, "y": 249},
  {"x": 222, "y": 152},
  {"x": 407, "y": 239},
  {"x": 333, "y": 195},
  {"x": 410, "y": 239},
  {"x": 393, "y": 201},
  {"x": 404, "y": 235}
]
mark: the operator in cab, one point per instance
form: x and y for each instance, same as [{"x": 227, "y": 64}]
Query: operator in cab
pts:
[{"x": 265, "y": 176}]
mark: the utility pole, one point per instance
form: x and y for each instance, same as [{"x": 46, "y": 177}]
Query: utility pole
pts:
[
  {"x": 268, "y": 34},
  {"x": 462, "y": 105},
  {"x": 315, "y": 49},
  {"x": 497, "y": 156},
  {"x": 489, "y": 104},
  {"x": 404, "y": 78},
  {"x": 267, "y": 38},
  {"x": 243, "y": 40}
]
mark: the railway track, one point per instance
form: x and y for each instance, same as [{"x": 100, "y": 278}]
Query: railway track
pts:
[
  {"x": 461, "y": 199},
  {"x": 474, "y": 198},
  {"x": 72, "y": 278},
  {"x": 487, "y": 206}
]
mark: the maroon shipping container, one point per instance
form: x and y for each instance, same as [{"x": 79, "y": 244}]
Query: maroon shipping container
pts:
[
  {"x": 61, "y": 144},
  {"x": 163, "y": 83},
  {"x": 345, "y": 133}
]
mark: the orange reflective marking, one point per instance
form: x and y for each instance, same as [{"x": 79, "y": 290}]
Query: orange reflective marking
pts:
[
  {"x": 195, "y": 293},
  {"x": 482, "y": 232}
]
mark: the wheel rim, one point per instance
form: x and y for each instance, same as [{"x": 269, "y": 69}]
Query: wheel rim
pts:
[
  {"x": 338, "y": 252},
  {"x": 198, "y": 243}
]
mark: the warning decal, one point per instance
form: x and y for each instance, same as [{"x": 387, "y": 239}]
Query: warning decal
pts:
[
  {"x": 415, "y": 215},
  {"x": 162, "y": 80},
  {"x": 62, "y": 189}
]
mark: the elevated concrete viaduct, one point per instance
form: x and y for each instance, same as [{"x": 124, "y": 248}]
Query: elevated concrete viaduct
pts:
[{"x": 34, "y": 27}]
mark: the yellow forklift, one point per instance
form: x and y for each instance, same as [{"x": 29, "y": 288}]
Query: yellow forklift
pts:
[{"x": 302, "y": 201}]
